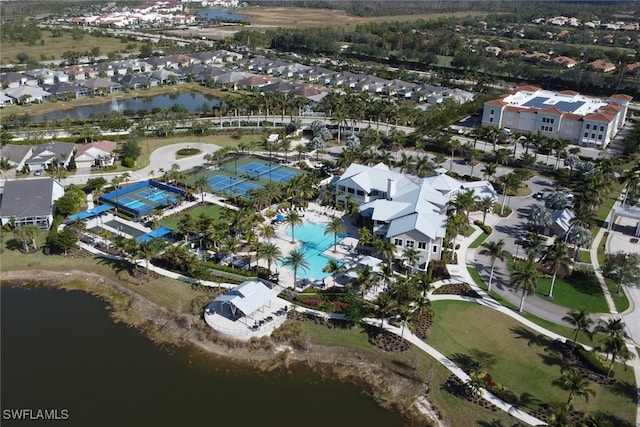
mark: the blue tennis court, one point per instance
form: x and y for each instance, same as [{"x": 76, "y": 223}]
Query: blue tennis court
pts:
[
  {"x": 275, "y": 172},
  {"x": 126, "y": 201},
  {"x": 230, "y": 184}
]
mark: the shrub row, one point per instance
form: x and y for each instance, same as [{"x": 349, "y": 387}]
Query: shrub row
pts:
[
  {"x": 230, "y": 270},
  {"x": 593, "y": 361},
  {"x": 486, "y": 229}
]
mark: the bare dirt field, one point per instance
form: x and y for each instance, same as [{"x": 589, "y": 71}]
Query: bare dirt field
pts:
[{"x": 292, "y": 17}]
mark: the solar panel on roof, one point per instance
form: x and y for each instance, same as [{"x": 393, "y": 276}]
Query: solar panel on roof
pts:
[
  {"x": 537, "y": 102},
  {"x": 569, "y": 107}
]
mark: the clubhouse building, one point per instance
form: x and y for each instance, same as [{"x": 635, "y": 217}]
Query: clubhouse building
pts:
[
  {"x": 406, "y": 210},
  {"x": 583, "y": 120}
]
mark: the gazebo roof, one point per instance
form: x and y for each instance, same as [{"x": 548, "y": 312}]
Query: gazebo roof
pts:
[{"x": 248, "y": 297}]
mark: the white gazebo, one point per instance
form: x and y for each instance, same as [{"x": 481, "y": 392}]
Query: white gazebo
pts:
[{"x": 251, "y": 309}]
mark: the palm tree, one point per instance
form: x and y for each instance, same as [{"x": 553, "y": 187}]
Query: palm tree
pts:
[
  {"x": 489, "y": 170},
  {"x": 525, "y": 277},
  {"x": 200, "y": 184},
  {"x": 411, "y": 257},
  {"x": 366, "y": 278},
  {"x": 296, "y": 260},
  {"x": 464, "y": 201},
  {"x": 334, "y": 268},
  {"x": 532, "y": 245},
  {"x": 580, "y": 321},
  {"x": 335, "y": 227},
  {"x": 556, "y": 254},
  {"x": 268, "y": 251},
  {"x": 150, "y": 249},
  {"x": 574, "y": 382},
  {"x": 266, "y": 231},
  {"x": 611, "y": 327},
  {"x": 422, "y": 281},
  {"x": 559, "y": 415},
  {"x": 617, "y": 348},
  {"x": 485, "y": 204},
  {"x": 293, "y": 218},
  {"x": 494, "y": 250},
  {"x": 385, "y": 248},
  {"x": 407, "y": 317},
  {"x": 385, "y": 306}
]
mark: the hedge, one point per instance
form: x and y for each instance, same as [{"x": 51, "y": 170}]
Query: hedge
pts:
[
  {"x": 485, "y": 228},
  {"x": 593, "y": 361}
]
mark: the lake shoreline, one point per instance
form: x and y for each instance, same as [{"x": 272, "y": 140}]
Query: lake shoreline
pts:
[{"x": 168, "y": 329}]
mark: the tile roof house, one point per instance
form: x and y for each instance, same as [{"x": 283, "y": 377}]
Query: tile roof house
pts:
[
  {"x": 604, "y": 66},
  {"x": 30, "y": 202},
  {"x": 27, "y": 94},
  {"x": 97, "y": 153}
]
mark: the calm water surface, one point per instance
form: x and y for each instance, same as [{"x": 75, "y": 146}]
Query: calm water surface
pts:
[
  {"x": 192, "y": 101},
  {"x": 60, "y": 350}
]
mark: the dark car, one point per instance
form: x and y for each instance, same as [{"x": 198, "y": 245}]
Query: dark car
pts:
[{"x": 539, "y": 195}]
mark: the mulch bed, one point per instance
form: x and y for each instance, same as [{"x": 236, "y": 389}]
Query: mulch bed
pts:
[
  {"x": 573, "y": 360},
  {"x": 461, "y": 289},
  {"x": 386, "y": 341},
  {"x": 455, "y": 386},
  {"x": 425, "y": 321},
  {"x": 320, "y": 321}
]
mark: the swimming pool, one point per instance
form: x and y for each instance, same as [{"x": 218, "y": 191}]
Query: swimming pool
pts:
[{"x": 315, "y": 242}]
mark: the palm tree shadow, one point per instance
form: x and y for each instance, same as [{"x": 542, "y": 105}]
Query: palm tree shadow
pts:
[
  {"x": 496, "y": 423},
  {"x": 464, "y": 361},
  {"x": 527, "y": 400},
  {"x": 532, "y": 339},
  {"x": 625, "y": 389},
  {"x": 117, "y": 265},
  {"x": 552, "y": 358}
]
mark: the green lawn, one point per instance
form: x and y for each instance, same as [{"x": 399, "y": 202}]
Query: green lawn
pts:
[
  {"x": 574, "y": 292},
  {"x": 553, "y": 327},
  {"x": 526, "y": 361},
  {"x": 479, "y": 240},
  {"x": 413, "y": 363},
  {"x": 212, "y": 211},
  {"x": 619, "y": 299}
]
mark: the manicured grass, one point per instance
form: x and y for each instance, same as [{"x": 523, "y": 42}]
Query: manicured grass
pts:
[
  {"x": 443, "y": 61},
  {"x": 169, "y": 293},
  {"x": 585, "y": 256},
  {"x": 619, "y": 299},
  {"x": 574, "y": 292},
  {"x": 414, "y": 364},
  {"x": 212, "y": 211},
  {"x": 479, "y": 241},
  {"x": 553, "y": 327},
  {"x": 525, "y": 361}
]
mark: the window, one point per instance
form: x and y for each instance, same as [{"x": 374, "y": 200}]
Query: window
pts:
[
  {"x": 601, "y": 128},
  {"x": 588, "y": 127},
  {"x": 341, "y": 187},
  {"x": 398, "y": 242},
  {"x": 492, "y": 111},
  {"x": 586, "y": 134},
  {"x": 350, "y": 190},
  {"x": 435, "y": 249},
  {"x": 422, "y": 245},
  {"x": 410, "y": 244},
  {"x": 593, "y": 135},
  {"x": 491, "y": 120},
  {"x": 360, "y": 193},
  {"x": 600, "y": 137}
]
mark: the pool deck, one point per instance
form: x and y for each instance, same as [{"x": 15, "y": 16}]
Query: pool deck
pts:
[{"x": 345, "y": 250}]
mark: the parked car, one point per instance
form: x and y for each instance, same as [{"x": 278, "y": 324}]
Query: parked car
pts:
[
  {"x": 38, "y": 172},
  {"x": 539, "y": 195}
]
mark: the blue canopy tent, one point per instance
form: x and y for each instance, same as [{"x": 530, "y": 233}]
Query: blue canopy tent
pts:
[
  {"x": 89, "y": 213},
  {"x": 155, "y": 234}
]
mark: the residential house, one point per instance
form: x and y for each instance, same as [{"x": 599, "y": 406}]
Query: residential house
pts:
[
  {"x": 604, "y": 66},
  {"x": 27, "y": 94},
  {"x": 165, "y": 77},
  {"x": 14, "y": 80},
  {"x": 5, "y": 100},
  {"x": 97, "y": 153},
  {"x": 254, "y": 81},
  {"x": 49, "y": 153},
  {"x": 101, "y": 85},
  {"x": 565, "y": 61},
  {"x": 16, "y": 155},
  {"x": 136, "y": 81},
  {"x": 30, "y": 202},
  {"x": 65, "y": 91}
]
